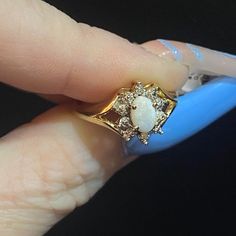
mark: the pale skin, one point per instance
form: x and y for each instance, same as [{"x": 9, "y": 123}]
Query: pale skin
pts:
[{"x": 58, "y": 162}]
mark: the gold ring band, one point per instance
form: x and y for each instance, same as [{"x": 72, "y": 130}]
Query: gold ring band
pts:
[{"x": 140, "y": 110}]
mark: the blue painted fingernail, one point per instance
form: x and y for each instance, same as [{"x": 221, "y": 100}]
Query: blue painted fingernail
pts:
[
  {"x": 174, "y": 50},
  {"x": 195, "y": 110},
  {"x": 229, "y": 55},
  {"x": 196, "y": 51}
]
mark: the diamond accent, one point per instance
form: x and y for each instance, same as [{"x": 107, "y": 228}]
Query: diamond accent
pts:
[
  {"x": 125, "y": 123},
  {"x": 160, "y": 115},
  {"x": 139, "y": 89},
  {"x": 128, "y": 97},
  {"x": 159, "y": 103},
  {"x": 121, "y": 108},
  {"x": 152, "y": 93}
]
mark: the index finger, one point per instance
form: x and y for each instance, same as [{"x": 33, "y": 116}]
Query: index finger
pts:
[{"x": 45, "y": 51}]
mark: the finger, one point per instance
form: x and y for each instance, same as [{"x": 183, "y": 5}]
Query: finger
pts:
[
  {"x": 45, "y": 51},
  {"x": 50, "y": 166},
  {"x": 189, "y": 116},
  {"x": 57, "y": 98},
  {"x": 199, "y": 59}
]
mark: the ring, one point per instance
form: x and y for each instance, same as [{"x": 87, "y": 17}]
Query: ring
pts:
[{"x": 140, "y": 110}]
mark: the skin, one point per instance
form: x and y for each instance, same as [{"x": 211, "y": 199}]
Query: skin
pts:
[{"x": 56, "y": 163}]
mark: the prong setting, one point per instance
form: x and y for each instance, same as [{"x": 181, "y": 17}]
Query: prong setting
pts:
[{"x": 143, "y": 110}]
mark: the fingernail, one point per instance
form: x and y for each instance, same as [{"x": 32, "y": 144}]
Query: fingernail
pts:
[
  {"x": 174, "y": 50},
  {"x": 194, "y": 111},
  {"x": 227, "y": 54},
  {"x": 196, "y": 51}
]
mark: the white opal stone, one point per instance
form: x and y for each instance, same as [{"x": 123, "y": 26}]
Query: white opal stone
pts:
[{"x": 144, "y": 116}]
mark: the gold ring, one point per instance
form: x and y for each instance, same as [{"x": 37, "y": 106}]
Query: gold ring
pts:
[{"x": 136, "y": 111}]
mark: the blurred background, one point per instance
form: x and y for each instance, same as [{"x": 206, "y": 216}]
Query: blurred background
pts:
[{"x": 189, "y": 189}]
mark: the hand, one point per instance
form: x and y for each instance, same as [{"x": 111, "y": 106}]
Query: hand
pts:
[{"x": 57, "y": 162}]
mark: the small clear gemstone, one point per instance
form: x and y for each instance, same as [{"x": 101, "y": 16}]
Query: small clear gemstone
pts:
[
  {"x": 152, "y": 93},
  {"x": 120, "y": 108},
  {"x": 160, "y": 115},
  {"x": 139, "y": 89},
  {"x": 159, "y": 102},
  {"x": 156, "y": 128},
  {"x": 128, "y": 97},
  {"x": 125, "y": 123}
]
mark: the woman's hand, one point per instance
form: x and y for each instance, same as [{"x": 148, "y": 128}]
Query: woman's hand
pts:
[{"x": 57, "y": 162}]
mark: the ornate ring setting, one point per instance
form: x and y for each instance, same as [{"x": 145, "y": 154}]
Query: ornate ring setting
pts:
[{"x": 137, "y": 111}]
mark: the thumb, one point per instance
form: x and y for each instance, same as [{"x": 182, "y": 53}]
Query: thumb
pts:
[
  {"x": 45, "y": 51},
  {"x": 50, "y": 166}
]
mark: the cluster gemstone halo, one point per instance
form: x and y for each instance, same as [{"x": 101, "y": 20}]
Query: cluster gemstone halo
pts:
[{"x": 137, "y": 111}]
